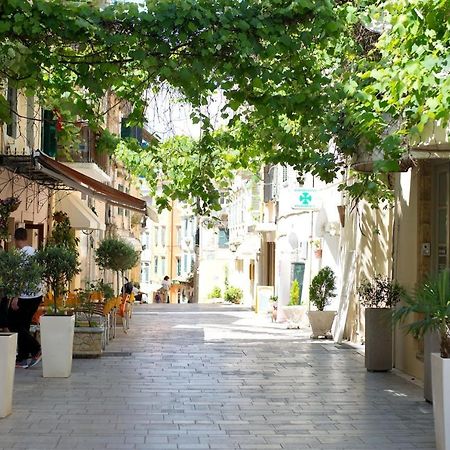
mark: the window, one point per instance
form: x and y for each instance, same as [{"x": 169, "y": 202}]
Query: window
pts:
[
  {"x": 156, "y": 265},
  {"x": 156, "y": 236},
  {"x": 163, "y": 236},
  {"x": 145, "y": 272},
  {"x": 178, "y": 267},
  {"x": 127, "y": 211},
  {"x": 146, "y": 240},
  {"x": 30, "y": 122},
  {"x": 285, "y": 174},
  {"x": 49, "y": 141},
  {"x": 11, "y": 128},
  {"x": 185, "y": 263},
  {"x": 224, "y": 237},
  {"x": 163, "y": 265},
  {"x": 179, "y": 236}
]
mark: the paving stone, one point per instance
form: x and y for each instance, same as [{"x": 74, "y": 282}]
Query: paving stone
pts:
[{"x": 217, "y": 377}]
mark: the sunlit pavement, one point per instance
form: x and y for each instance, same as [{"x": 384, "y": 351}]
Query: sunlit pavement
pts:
[{"x": 200, "y": 377}]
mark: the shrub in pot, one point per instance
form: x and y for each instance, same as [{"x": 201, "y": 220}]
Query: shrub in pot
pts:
[
  {"x": 215, "y": 293},
  {"x": 19, "y": 273},
  {"x": 321, "y": 292},
  {"x": 116, "y": 255},
  {"x": 429, "y": 307},
  {"x": 60, "y": 264},
  {"x": 379, "y": 296},
  {"x": 294, "y": 311},
  {"x": 91, "y": 327},
  {"x": 233, "y": 294}
]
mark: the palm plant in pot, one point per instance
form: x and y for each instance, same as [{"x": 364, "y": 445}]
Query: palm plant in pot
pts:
[
  {"x": 429, "y": 309},
  {"x": 294, "y": 311},
  {"x": 19, "y": 273},
  {"x": 321, "y": 292},
  {"x": 60, "y": 264},
  {"x": 379, "y": 296}
]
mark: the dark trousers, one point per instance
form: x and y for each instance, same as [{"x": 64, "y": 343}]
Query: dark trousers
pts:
[
  {"x": 4, "y": 305},
  {"x": 19, "y": 322}
]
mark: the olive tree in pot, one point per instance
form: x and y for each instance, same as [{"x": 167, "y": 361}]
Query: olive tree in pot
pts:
[
  {"x": 294, "y": 311},
  {"x": 428, "y": 308},
  {"x": 19, "y": 273},
  {"x": 116, "y": 255},
  {"x": 379, "y": 296},
  {"x": 60, "y": 264},
  {"x": 321, "y": 292}
]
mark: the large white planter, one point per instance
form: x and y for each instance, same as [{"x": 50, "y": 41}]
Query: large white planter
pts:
[
  {"x": 57, "y": 345},
  {"x": 321, "y": 323},
  {"x": 8, "y": 346},
  {"x": 294, "y": 315},
  {"x": 440, "y": 372}
]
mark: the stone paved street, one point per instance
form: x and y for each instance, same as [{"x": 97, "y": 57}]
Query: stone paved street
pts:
[{"x": 211, "y": 377}]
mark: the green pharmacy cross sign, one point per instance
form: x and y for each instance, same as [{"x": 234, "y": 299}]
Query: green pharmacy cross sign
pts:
[{"x": 306, "y": 199}]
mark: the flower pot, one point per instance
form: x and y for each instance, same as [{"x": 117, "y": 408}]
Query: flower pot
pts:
[
  {"x": 57, "y": 345},
  {"x": 440, "y": 370},
  {"x": 8, "y": 346},
  {"x": 321, "y": 323},
  {"x": 431, "y": 345},
  {"x": 294, "y": 315},
  {"x": 318, "y": 253},
  {"x": 378, "y": 339},
  {"x": 88, "y": 342}
]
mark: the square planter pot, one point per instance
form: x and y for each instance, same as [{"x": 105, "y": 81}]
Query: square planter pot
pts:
[
  {"x": 88, "y": 342},
  {"x": 57, "y": 345},
  {"x": 294, "y": 315},
  {"x": 321, "y": 323},
  {"x": 8, "y": 347},
  {"x": 440, "y": 370},
  {"x": 432, "y": 344},
  {"x": 378, "y": 339}
]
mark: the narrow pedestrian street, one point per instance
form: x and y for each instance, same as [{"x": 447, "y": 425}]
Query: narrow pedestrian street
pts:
[{"x": 201, "y": 377}]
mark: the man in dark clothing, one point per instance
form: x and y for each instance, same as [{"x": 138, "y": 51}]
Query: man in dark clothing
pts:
[{"x": 21, "y": 313}]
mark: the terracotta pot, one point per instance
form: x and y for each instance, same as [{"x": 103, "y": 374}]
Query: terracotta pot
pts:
[{"x": 318, "y": 253}]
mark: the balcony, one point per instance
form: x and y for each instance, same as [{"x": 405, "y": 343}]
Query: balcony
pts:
[{"x": 85, "y": 159}]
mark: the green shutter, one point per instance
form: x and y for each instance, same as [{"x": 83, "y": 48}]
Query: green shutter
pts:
[{"x": 49, "y": 140}]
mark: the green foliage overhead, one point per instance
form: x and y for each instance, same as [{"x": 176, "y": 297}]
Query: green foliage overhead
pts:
[
  {"x": 322, "y": 288},
  {"x": 380, "y": 292},
  {"x": 295, "y": 76},
  {"x": 294, "y": 294},
  {"x": 428, "y": 309},
  {"x": 19, "y": 273},
  {"x": 116, "y": 255},
  {"x": 59, "y": 265}
]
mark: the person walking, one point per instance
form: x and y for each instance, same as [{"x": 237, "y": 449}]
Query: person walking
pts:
[
  {"x": 21, "y": 312},
  {"x": 166, "y": 288}
]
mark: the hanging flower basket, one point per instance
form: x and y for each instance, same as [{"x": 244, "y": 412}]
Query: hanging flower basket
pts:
[{"x": 7, "y": 206}]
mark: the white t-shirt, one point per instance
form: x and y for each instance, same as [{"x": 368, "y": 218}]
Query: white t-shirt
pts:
[
  {"x": 30, "y": 251},
  {"x": 166, "y": 285}
]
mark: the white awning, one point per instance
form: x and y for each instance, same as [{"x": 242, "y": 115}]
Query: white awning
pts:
[{"x": 80, "y": 215}]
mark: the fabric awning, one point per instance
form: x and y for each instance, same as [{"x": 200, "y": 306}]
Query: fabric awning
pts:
[
  {"x": 81, "y": 182},
  {"x": 80, "y": 215}
]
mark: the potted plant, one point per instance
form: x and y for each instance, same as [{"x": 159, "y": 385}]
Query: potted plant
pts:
[
  {"x": 116, "y": 255},
  {"x": 321, "y": 292},
  {"x": 379, "y": 296},
  {"x": 294, "y": 311},
  {"x": 7, "y": 206},
  {"x": 428, "y": 307},
  {"x": 317, "y": 248},
  {"x": 91, "y": 323},
  {"x": 60, "y": 265},
  {"x": 233, "y": 295},
  {"x": 20, "y": 273},
  {"x": 215, "y": 294}
]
